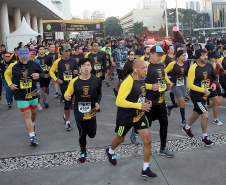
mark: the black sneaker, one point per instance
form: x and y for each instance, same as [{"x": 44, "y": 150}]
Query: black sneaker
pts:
[
  {"x": 82, "y": 159},
  {"x": 9, "y": 105},
  {"x": 207, "y": 141},
  {"x": 186, "y": 98},
  {"x": 148, "y": 173},
  {"x": 111, "y": 158},
  {"x": 107, "y": 85},
  {"x": 33, "y": 141},
  {"x": 68, "y": 127},
  {"x": 46, "y": 105},
  {"x": 187, "y": 131}
]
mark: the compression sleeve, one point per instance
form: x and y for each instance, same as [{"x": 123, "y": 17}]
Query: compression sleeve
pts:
[
  {"x": 221, "y": 59},
  {"x": 168, "y": 69},
  {"x": 124, "y": 91},
  {"x": 8, "y": 73},
  {"x": 87, "y": 55},
  {"x": 53, "y": 69},
  {"x": 191, "y": 79},
  {"x": 70, "y": 88}
]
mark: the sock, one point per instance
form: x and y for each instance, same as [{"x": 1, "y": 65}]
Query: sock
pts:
[
  {"x": 32, "y": 134},
  {"x": 204, "y": 135},
  {"x": 182, "y": 112},
  {"x": 172, "y": 97},
  {"x": 187, "y": 127},
  {"x": 112, "y": 152},
  {"x": 145, "y": 166},
  {"x": 173, "y": 106},
  {"x": 68, "y": 122}
]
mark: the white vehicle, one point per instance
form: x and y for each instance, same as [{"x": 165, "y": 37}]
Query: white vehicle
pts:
[{"x": 150, "y": 43}]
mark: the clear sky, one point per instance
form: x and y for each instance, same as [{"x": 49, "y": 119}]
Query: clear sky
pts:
[{"x": 113, "y": 7}]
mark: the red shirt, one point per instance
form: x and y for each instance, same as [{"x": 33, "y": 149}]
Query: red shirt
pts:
[{"x": 218, "y": 71}]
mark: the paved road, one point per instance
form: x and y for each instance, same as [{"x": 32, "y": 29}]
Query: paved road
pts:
[{"x": 53, "y": 139}]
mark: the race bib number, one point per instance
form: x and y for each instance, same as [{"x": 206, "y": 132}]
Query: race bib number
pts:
[
  {"x": 99, "y": 74},
  {"x": 25, "y": 84},
  {"x": 205, "y": 84},
  {"x": 180, "y": 81},
  {"x": 97, "y": 66},
  {"x": 44, "y": 67},
  {"x": 141, "y": 99},
  {"x": 122, "y": 64},
  {"x": 84, "y": 107},
  {"x": 162, "y": 85},
  {"x": 67, "y": 76}
]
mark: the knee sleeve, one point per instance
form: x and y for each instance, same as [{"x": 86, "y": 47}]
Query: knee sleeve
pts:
[{"x": 67, "y": 105}]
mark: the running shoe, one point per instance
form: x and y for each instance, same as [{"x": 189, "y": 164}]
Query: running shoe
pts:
[
  {"x": 116, "y": 92},
  {"x": 133, "y": 136},
  {"x": 148, "y": 173},
  {"x": 187, "y": 131},
  {"x": 46, "y": 105},
  {"x": 217, "y": 122},
  {"x": 183, "y": 123},
  {"x": 207, "y": 141},
  {"x": 107, "y": 84},
  {"x": 39, "y": 107},
  {"x": 33, "y": 141},
  {"x": 111, "y": 78},
  {"x": 168, "y": 110},
  {"x": 59, "y": 94},
  {"x": 111, "y": 158},
  {"x": 82, "y": 159},
  {"x": 166, "y": 153},
  {"x": 9, "y": 105},
  {"x": 68, "y": 126},
  {"x": 56, "y": 95},
  {"x": 186, "y": 98}
]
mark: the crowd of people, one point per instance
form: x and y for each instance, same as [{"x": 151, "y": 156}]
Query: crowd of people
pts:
[{"x": 78, "y": 67}]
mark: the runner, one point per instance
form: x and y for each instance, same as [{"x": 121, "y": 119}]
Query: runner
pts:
[
  {"x": 119, "y": 56},
  {"x": 146, "y": 56},
  {"x": 108, "y": 65},
  {"x": 222, "y": 78},
  {"x": 67, "y": 68},
  {"x": 131, "y": 113},
  {"x": 215, "y": 96},
  {"x": 15, "y": 56},
  {"x": 156, "y": 81},
  {"x": 128, "y": 68},
  {"x": 87, "y": 89},
  {"x": 179, "y": 71},
  {"x": 198, "y": 81},
  {"x": 46, "y": 63},
  {"x": 78, "y": 54},
  {"x": 8, "y": 92},
  {"x": 54, "y": 56},
  {"x": 21, "y": 77}
]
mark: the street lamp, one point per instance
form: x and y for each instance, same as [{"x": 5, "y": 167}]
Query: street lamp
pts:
[
  {"x": 167, "y": 34},
  {"x": 177, "y": 16}
]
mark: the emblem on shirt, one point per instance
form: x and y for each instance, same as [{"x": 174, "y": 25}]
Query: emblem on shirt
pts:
[
  {"x": 43, "y": 62},
  {"x": 67, "y": 66},
  {"x": 159, "y": 73},
  {"x": 107, "y": 57},
  {"x": 142, "y": 90},
  {"x": 25, "y": 73},
  {"x": 85, "y": 90},
  {"x": 95, "y": 59},
  {"x": 205, "y": 75},
  {"x": 77, "y": 60},
  {"x": 182, "y": 71}
]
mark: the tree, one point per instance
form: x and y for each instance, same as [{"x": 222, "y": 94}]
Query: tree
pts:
[
  {"x": 138, "y": 28},
  {"x": 202, "y": 20},
  {"x": 112, "y": 27}
]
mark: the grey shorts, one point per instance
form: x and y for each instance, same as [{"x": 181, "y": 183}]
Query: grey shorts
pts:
[{"x": 178, "y": 91}]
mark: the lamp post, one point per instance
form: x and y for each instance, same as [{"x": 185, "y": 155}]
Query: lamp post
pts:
[
  {"x": 167, "y": 34},
  {"x": 177, "y": 15}
]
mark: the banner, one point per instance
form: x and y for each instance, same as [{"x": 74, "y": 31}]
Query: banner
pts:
[
  {"x": 72, "y": 25},
  {"x": 49, "y": 36},
  {"x": 98, "y": 34}
]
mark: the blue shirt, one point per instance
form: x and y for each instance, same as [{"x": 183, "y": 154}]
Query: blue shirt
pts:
[{"x": 120, "y": 57}]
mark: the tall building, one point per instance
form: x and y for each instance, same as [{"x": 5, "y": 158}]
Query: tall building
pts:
[
  {"x": 93, "y": 15},
  {"x": 147, "y": 4},
  {"x": 194, "y": 5},
  {"x": 86, "y": 15},
  {"x": 34, "y": 11}
]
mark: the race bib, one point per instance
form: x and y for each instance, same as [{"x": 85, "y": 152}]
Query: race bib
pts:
[
  {"x": 180, "y": 82},
  {"x": 162, "y": 85},
  {"x": 44, "y": 67},
  {"x": 25, "y": 84},
  {"x": 97, "y": 66},
  {"x": 67, "y": 76},
  {"x": 205, "y": 84},
  {"x": 99, "y": 74},
  {"x": 84, "y": 107},
  {"x": 141, "y": 99}
]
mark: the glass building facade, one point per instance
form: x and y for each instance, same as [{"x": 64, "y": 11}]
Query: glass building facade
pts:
[{"x": 219, "y": 15}]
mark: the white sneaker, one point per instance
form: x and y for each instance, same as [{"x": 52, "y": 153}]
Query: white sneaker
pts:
[
  {"x": 39, "y": 107},
  {"x": 217, "y": 122}
]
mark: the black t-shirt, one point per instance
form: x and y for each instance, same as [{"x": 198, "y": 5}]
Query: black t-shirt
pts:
[
  {"x": 45, "y": 63},
  {"x": 53, "y": 56},
  {"x": 77, "y": 57}
]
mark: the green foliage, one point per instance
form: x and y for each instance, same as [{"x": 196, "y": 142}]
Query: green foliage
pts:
[
  {"x": 138, "y": 28},
  {"x": 112, "y": 27}
]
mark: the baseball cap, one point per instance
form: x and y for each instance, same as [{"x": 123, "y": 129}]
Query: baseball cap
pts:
[
  {"x": 7, "y": 54},
  {"x": 175, "y": 28},
  {"x": 200, "y": 52},
  {"x": 62, "y": 41},
  {"x": 157, "y": 49},
  {"x": 180, "y": 52},
  {"x": 32, "y": 52},
  {"x": 66, "y": 47},
  {"x": 23, "y": 52}
]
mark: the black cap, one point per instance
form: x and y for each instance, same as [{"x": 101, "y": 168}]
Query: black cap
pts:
[
  {"x": 180, "y": 52},
  {"x": 157, "y": 49},
  {"x": 200, "y": 52}
]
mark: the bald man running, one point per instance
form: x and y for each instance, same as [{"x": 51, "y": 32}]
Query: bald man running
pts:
[{"x": 131, "y": 113}]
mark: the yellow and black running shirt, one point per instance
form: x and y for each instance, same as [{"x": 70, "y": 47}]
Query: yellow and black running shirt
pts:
[
  {"x": 223, "y": 62},
  {"x": 65, "y": 70},
  {"x": 45, "y": 63},
  {"x": 178, "y": 73},
  {"x": 4, "y": 65},
  {"x": 199, "y": 79},
  {"x": 98, "y": 64},
  {"x": 156, "y": 74},
  {"x": 20, "y": 75},
  {"x": 87, "y": 93},
  {"x": 108, "y": 61},
  {"x": 14, "y": 57},
  {"x": 130, "y": 97},
  {"x": 77, "y": 57},
  {"x": 53, "y": 56},
  {"x": 146, "y": 59}
]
